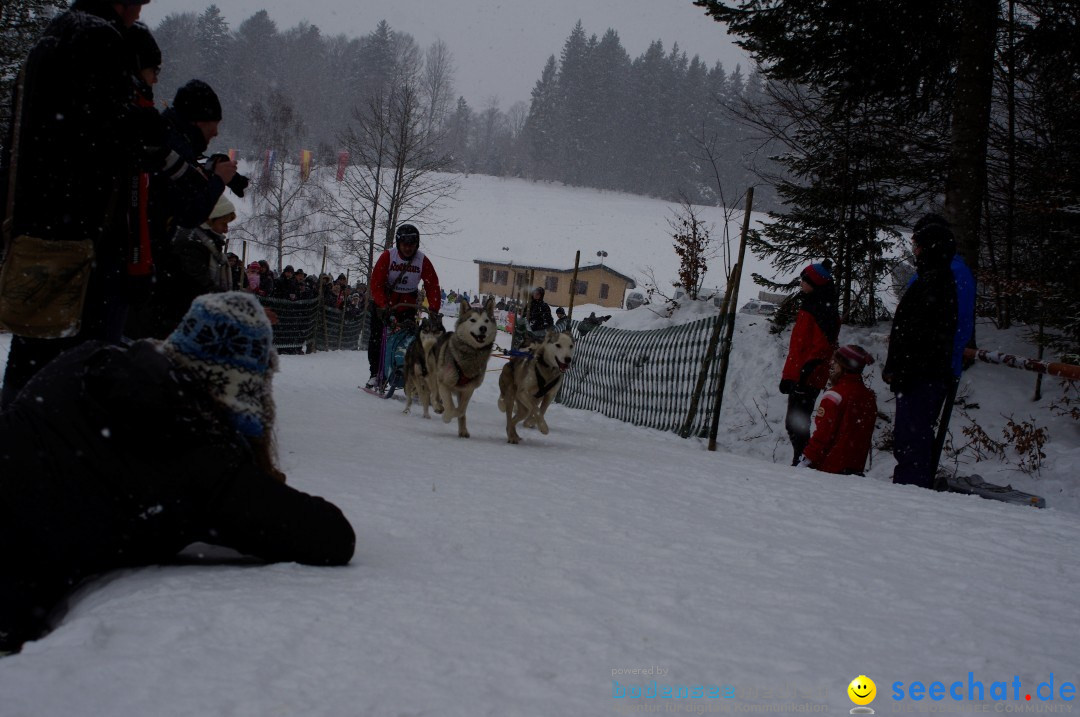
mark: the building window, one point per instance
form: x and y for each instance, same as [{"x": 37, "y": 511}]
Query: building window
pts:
[
  {"x": 582, "y": 288},
  {"x": 603, "y": 291},
  {"x": 551, "y": 283},
  {"x": 485, "y": 276},
  {"x": 502, "y": 277}
]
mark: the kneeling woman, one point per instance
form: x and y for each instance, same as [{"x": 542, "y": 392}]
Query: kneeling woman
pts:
[{"x": 114, "y": 457}]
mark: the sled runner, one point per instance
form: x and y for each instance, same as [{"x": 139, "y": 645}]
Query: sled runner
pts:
[{"x": 975, "y": 485}]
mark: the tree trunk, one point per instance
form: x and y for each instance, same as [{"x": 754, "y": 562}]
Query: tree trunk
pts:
[{"x": 966, "y": 181}]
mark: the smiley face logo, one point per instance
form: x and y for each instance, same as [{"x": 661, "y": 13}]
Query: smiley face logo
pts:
[{"x": 862, "y": 690}]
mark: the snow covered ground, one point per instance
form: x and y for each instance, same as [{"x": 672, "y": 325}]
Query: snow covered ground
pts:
[
  {"x": 492, "y": 579},
  {"x": 495, "y": 579}
]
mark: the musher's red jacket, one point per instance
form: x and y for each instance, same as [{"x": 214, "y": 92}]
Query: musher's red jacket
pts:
[{"x": 406, "y": 276}]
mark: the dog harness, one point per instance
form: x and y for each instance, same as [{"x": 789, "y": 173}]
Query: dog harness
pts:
[
  {"x": 541, "y": 387},
  {"x": 462, "y": 378}
]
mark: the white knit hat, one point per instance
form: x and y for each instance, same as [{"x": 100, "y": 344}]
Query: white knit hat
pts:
[{"x": 223, "y": 208}]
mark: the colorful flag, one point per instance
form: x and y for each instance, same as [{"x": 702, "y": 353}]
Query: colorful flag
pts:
[
  {"x": 305, "y": 164},
  {"x": 342, "y": 163}
]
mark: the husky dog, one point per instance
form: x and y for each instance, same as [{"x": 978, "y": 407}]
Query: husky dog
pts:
[
  {"x": 460, "y": 359},
  {"x": 417, "y": 360},
  {"x": 527, "y": 386}
]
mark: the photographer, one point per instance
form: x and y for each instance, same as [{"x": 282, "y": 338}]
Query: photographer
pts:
[{"x": 190, "y": 123}]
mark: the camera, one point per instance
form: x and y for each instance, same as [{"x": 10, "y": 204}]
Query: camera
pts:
[{"x": 237, "y": 184}]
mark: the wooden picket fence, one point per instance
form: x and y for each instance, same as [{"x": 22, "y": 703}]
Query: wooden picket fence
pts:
[{"x": 646, "y": 378}]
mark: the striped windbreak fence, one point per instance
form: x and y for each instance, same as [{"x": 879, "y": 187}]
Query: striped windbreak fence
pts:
[
  {"x": 343, "y": 331},
  {"x": 643, "y": 377},
  {"x": 309, "y": 322}
]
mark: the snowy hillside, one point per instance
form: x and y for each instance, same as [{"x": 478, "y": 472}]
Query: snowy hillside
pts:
[
  {"x": 541, "y": 223},
  {"x": 550, "y": 577}
]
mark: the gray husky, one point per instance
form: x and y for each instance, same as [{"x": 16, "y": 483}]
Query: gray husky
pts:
[
  {"x": 527, "y": 386},
  {"x": 417, "y": 363},
  {"x": 460, "y": 360}
]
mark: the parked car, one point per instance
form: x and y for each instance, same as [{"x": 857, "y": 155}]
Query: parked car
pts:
[
  {"x": 634, "y": 299},
  {"x": 757, "y": 306}
]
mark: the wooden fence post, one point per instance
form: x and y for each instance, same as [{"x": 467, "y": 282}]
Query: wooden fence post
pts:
[
  {"x": 725, "y": 350},
  {"x": 573, "y": 290}
]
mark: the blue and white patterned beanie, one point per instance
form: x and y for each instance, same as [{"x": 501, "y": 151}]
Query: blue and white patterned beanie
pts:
[{"x": 226, "y": 341}]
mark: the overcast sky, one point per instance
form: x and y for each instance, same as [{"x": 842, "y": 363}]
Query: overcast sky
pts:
[{"x": 499, "y": 46}]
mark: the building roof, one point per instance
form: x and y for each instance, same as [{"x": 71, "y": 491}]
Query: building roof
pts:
[{"x": 557, "y": 270}]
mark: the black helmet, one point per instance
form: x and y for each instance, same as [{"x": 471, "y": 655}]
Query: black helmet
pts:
[{"x": 408, "y": 234}]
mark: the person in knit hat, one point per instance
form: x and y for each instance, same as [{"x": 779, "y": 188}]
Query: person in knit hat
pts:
[
  {"x": 919, "y": 365},
  {"x": 121, "y": 456},
  {"x": 845, "y": 418},
  {"x": 190, "y": 123},
  {"x": 813, "y": 339},
  {"x": 254, "y": 279}
]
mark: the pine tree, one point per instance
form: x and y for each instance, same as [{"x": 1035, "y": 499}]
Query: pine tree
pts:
[
  {"x": 541, "y": 127},
  {"x": 213, "y": 39}
]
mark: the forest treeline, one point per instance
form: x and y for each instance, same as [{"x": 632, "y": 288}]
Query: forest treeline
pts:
[
  {"x": 597, "y": 117},
  {"x": 865, "y": 116}
]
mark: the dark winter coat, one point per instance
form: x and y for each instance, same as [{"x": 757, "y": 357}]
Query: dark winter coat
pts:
[
  {"x": 80, "y": 141},
  {"x": 113, "y": 457},
  {"x": 539, "y": 316},
  {"x": 286, "y": 287},
  {"x": 813, "y": 340},
  {"x": 843, "y": 427},
  {"x": 924, "y": 326},
  {"x": 196, "y": 265},
  {"x": 185, "y": 202}
]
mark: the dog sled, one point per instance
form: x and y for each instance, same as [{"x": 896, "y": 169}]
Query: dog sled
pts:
[{"x": 397, "y": 335}]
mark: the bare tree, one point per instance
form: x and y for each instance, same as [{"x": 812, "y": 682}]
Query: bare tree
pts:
[
  {"x": 419, "y": 182},
  {"x": 354, "y": 201},
  {"x": 398, "y": 159},
  {"x": 438, "y": 83},
  {"x": 287, "y": 207}
]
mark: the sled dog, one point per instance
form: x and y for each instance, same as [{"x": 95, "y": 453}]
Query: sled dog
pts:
[
  {"x": 460, "y": 359},
  {"x": 527, "y": 386},
  {"x": 417, "y": 362}
]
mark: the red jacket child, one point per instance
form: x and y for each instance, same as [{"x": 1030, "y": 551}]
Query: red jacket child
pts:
[
  {"x": 814, "y": 336},
  {"x": 844, "y": 420}
]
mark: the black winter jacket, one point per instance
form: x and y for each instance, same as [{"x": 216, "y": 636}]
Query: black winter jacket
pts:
[
  {"x": 540, "y": 316},
  {"x": 112, "y": 457},
  {"x": 79, "y": 140},
  {"x": 921, "y": 341}
]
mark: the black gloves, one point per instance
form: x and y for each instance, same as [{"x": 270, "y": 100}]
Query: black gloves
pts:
[
  {"x": 787, "y": 386},
  {"x": 238, "y": 184}
]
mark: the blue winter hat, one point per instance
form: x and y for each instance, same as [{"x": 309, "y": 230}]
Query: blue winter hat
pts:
[{"x": 226, "y": 341}]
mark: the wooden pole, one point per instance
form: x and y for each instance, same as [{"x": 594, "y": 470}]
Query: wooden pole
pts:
[
  {"x": 710, "y": 352},
  {"x": 322, "y": 305},
  {"x": 573, "y": 290},
  {"x": 725, "y": 350}
]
